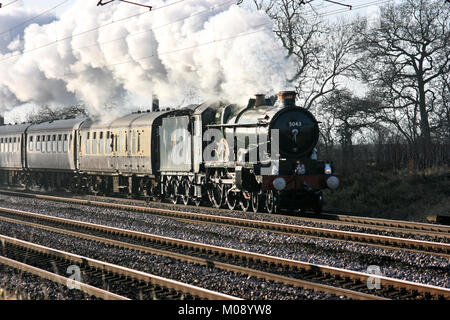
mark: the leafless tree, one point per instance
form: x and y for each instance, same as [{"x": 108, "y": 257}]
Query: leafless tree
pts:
[
  {"x": 47, "y": 113},
  {"x": 403, "y": 59},
  {"x": 321, "y": 50}
]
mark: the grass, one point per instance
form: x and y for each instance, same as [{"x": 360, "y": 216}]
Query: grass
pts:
[{"x": 404, "y": 195}]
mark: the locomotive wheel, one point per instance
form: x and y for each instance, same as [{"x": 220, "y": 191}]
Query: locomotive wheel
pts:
[
  {"x": 272, "y": 200},
  {"x": 215, "y": 194},
  {"x": 173, "y": 197},
  {"x": 185, "y": 197},
  {"x": 231, "y": 199},
  {"x": 255, "y": 201},
  {"x": 245, "y": 202}
]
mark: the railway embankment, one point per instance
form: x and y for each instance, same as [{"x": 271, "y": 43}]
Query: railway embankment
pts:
[{"x": 403, "y": 195}]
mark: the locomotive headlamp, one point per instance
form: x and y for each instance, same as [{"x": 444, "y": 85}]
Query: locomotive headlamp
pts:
[
  {"x": 333, "y": 182},
  {"x": 279, "y": 183},
  {"x": 328, "y": 168}
]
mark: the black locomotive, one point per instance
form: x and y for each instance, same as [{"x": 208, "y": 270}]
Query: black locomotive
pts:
[{"x": 260, "y": 157}]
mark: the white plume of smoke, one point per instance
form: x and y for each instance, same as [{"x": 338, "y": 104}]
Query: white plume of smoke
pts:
[{"x": 120, "y": 64}]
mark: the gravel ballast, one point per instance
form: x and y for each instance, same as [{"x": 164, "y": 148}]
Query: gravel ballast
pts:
[
  {"x": 206, "y": 277},
  {"x": 422, "y": 268}
]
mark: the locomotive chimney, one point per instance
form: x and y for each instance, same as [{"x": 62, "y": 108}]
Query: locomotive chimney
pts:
[
  {"x": 260, "y": 100},
  {"x": 2, "y": 121},
  {"x": 287, "y": 98},
  {"x": 155, "y": 103}
]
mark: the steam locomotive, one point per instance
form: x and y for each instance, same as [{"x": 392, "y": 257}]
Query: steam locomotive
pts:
[{"x": 258, "y": 157}]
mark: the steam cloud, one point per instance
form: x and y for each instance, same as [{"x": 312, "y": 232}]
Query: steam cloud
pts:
[{"x": 116, "y": 67}]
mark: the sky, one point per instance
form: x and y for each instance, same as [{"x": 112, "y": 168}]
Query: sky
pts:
[{"x": 88, "y": 76}]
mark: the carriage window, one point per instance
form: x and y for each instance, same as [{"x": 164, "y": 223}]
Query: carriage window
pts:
[
  {"x": 54, "y": 145},
  {"x": 70, "y": 142},
  {"x": 120, "y": 141},
  {"x": 101, "y": 144},
  {"x": 43, "y": 144},
  {"x": 1, "y": 144},
  {"x": 60, "y": 146},
  {"x": 133, "y": 144},
  {"x": 113, "y": 145},
  {"x": 94, "y": 143},
  {"x": 88, "y": 144},
  {"x": 38, "y": 143},
  {"x": 49, "y": 144},
  {"x": 65, "y": 143},
  {"x": 31, "y": 143},
  {"x": 139, "y": 142},
  {"x": 126, "y": 141},
  {"x": 14, "y": 144},
  {"x": 108, "y": 142}
]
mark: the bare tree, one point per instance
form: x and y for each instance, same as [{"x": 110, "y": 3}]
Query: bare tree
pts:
[
  {"x": 321, "y": 50},
  {"x": 46, "y": 113},
  {"x": 350, "y": 115},
  {"x": 403, "y": 58}
]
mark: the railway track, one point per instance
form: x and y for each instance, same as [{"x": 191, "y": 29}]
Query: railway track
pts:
[
  {"x": 375, "y": 240},
  {"x": 100, "y": 279},
  {"x": 437, "y": 231},
  {"x": 408, "y": 227},
  {"x": 337, "y": 281},
  {"x": 428, "y": 229}
]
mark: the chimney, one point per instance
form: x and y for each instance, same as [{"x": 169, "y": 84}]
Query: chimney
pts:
[
  {"x": 287, "y": 98},
  {"x": 2, "y": 121},
  {"x": 260, "y": 100},
  {"x": 155, "y": 103}
]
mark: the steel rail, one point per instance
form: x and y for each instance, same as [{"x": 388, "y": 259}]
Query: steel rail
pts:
[
  {"x": 120, "y": 270},
  {"x": 404, "y": 227},
  {"x": 88, "y": 289},
  {"x": 209, "y": 263},
  {"x": 239, "y": 254},
  {"x": 384, "y": 242},
  {"x": 420, "y": 228}
]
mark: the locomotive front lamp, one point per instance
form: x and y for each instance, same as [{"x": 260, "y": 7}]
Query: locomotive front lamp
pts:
[
  {"x": 333, "y": 182},
  {"x": 279, "y": 183},
  {"x": 328, "y": 169}
]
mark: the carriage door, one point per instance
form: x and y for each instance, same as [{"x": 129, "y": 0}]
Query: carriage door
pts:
[{"x": 23, "y": 153}]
